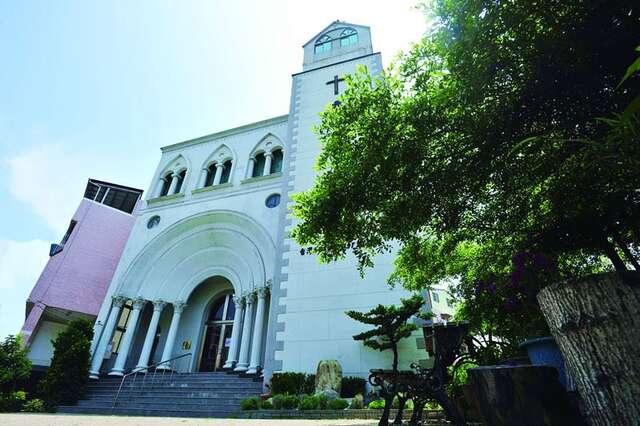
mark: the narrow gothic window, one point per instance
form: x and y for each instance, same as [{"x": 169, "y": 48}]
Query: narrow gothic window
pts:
[
  {"x": 181, "y": 177},
  {"x": 258, "y": 167},
  {"x": 226, "y": 172},
  {"x": 211, "y": 173},
  {"x": 166, "y": 184},
  {"x": 276, "y": 162}
]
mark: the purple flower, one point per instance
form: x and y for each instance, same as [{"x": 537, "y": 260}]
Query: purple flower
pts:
[
  {"x": 491, "y": 288},
  {"x": 511, "y": 304}
]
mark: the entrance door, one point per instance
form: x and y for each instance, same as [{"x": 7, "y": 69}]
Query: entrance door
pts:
[{"x": 217, "y": 339}]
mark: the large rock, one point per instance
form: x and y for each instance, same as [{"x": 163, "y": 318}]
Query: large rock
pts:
[{"x": 329, "y": 376}]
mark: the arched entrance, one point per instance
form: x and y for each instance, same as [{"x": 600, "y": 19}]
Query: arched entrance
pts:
[{"x": 217, "y": 337}]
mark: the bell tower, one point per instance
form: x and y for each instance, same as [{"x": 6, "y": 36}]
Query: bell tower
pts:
[{"x": 340, "y": 41}]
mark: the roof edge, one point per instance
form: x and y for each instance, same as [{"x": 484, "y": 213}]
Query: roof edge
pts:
[
  {"x": 337, "y": 21},
  {"x": 228, "y": 132}
]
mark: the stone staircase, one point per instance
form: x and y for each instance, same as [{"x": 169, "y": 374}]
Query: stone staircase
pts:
[{"x": 181, "y": 395}]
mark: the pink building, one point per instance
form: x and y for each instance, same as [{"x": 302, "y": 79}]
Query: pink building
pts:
[{"x": 74, "y": 282}]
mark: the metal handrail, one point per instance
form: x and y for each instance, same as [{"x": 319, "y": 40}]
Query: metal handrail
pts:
[{"x": 137, "y": 370}]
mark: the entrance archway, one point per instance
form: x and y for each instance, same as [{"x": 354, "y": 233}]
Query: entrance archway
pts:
[{"x": 217, "y": 337}]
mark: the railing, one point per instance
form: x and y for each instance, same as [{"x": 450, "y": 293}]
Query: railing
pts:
[{"x": 171, "y": 363}]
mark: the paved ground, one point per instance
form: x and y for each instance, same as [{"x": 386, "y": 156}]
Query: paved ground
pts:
[{"x": 24, "y": 419}]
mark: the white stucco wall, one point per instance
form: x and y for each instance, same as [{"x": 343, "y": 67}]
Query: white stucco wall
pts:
[
  {"x": 41, "y": 348},
  {"x": 312, "y": 324}
]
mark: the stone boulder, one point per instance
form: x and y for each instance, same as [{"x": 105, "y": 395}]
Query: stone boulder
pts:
[{"x": 329, "y": 376}]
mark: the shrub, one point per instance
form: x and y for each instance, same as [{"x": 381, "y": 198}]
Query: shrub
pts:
[
  {"x": 267, "y": 404},
  {"x": 12, "y": 402},
  {"x": 290, "y": 402},
  {"x": 338, "y": 404},
  {"x": 323, "y": 401},
  {"x": 34, "y": 406},
  {"x": 66, "y": 380},
  {"x": 15, "y": 367},
  {"x": 378, "y": 404},
  {"x": 352, "y": 386},
  {"x": 292, "y": 383},
  {"x": 357, "y": 402},
  {"x": 309, "y": 403},
  {"x": 277, "y": 400},
  {"x": 251, "y": 403}
]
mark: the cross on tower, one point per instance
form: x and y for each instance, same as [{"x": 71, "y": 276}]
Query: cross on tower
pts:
[{"x": 335, "y": 82}]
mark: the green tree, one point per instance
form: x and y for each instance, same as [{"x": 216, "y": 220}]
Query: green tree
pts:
[
  {"x": 485, "y": 141},
  {"x": 15, "y": 366},
  {"x": 67, "y": 377},
  {"x": 390, "y": 327}
]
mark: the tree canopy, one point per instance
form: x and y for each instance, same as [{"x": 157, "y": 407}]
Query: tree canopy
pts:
[{"x": 505, "y": 130}]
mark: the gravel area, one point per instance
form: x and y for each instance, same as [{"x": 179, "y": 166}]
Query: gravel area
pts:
[{"x": 24, "y": 419}]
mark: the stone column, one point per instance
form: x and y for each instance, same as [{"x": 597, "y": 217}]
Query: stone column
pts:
[
  {"x": 167, "y": 353},
  {"x": 160, "y": 186},
  {"x": 232, "y": 358},
  {"x": 218, "y": 175},
  {"x": 143, "y": 362},
  {"x": 125, "y": 345},
  {"x": 112, "y": 320},
  {"x": 267, "y": 164},
  {"x": 203, "y": 178},
  {"x": 245, "y": 341},
  {"x": 174, "y": 183},
  {"x": 252, "y": 164},
  {"x": 258, "y": 328}
]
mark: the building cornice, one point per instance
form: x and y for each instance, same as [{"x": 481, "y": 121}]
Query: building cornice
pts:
[
  {"x": 224, "y": 133},
  {"x": 335, "y": 63}
]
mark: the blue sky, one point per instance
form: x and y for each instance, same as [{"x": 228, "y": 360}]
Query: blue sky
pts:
[{"x": 94, "y": 89}]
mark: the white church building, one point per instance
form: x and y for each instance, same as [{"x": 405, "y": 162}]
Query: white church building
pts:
[{"x": 209, "y": 268}]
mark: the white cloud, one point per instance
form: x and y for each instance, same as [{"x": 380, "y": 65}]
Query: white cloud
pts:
[
  {"x": 21, "y": 263},
  {"x": 51, "y": 179}
]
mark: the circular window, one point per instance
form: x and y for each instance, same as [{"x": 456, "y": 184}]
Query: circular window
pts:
[
  {"x": 153, "y": 222},
  {"x": 272, "y": 200}
]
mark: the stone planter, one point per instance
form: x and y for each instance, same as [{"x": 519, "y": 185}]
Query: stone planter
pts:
[
  {"x": 522, "y": 395},
  {"x": 596, "y": 323},
  {"x": 545, "y": 351}
]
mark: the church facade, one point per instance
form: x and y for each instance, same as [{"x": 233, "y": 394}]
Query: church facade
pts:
[{"x": 209, "y": 272}]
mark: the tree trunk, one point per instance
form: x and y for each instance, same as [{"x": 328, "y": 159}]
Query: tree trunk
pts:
[{"x": 596, "y": 323}]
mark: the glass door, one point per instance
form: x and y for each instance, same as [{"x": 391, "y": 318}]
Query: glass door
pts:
[{"x": 218, "y": 334}]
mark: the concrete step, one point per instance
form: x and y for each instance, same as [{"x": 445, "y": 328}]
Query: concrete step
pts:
[
  {"x": 209, "y": 393},
  {"x": 220, "y": 404},
  {"x": 200, "y": 385},
  {"x": 147, "y": 412}
]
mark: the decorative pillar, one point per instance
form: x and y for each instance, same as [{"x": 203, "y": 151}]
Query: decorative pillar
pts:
[
  {"x": 245, "y": 341},
  {"x": 97, "y": 333},
  {"x": 267, "y": 164},
  {"x": 252, "y": 164},
  {"x": 218, "y": 175},
  {"x": 160, "y": 186},
  {"x": 174, "y": 183},
  {"x": 178, "y": 307},
  {"x": 258, "y": 328},
  {"x": 125, "y": 346},
  {"x": 143, "y": 362},
  {"x": 203, "y": 178},
  {"x": 232, "y": 357},
  {"x": 112, "y": 320}
]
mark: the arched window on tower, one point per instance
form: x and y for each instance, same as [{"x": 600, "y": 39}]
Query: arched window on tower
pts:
[
  {"x": 226, "y": 171},
  {"x": 276, "y": 161},
  {"x": 323, "y": 44},
  {"x": 348, "y": 37},
  {"x": 258, "y": 167},
  {"x": 166, "y": 183},
  {"x": 181, "y": 177}
]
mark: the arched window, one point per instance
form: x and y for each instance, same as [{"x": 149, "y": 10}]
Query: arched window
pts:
[
  {"x": 323, "y": 44},
  {"x": 258, "y": 167},
  {"x": 226, "y": 171},
  {"x": 276, "y": 161},
  {"x": 348, "y": 37},
  {"x": 180, "y": 182},
  {"x": 166, "y": 183},
  {"x": 211, "y": 173}
]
